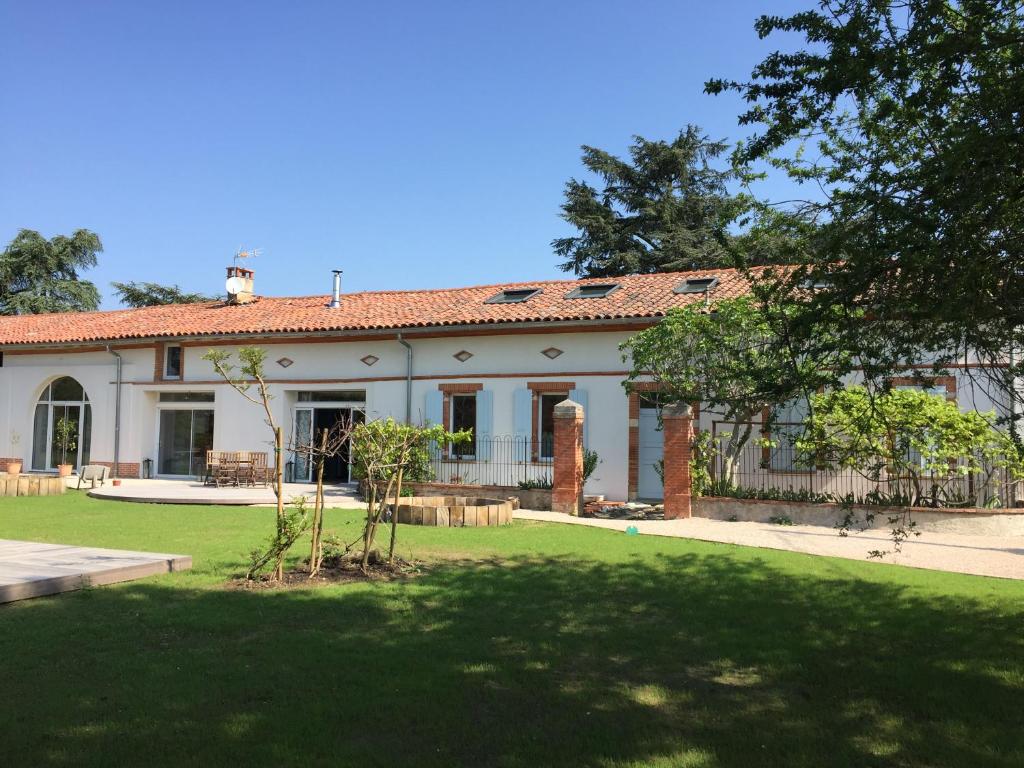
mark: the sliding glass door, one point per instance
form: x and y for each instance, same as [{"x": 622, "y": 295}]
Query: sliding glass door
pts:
[{"x": 185, "y": 437}]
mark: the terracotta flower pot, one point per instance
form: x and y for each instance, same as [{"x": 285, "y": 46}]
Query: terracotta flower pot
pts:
[
  {"x": 14, "y": 467},
  {"x": 116, "y": 483},
  {"x": 63, "y": 470}
]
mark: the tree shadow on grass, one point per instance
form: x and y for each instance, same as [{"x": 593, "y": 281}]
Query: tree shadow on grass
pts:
[{"x": 698, "y": 660}]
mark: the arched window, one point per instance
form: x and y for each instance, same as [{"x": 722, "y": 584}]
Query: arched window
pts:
[{"x": 63, "y": 400}]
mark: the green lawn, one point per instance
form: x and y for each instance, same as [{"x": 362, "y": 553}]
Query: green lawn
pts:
[{"x": 529, "y": 645}]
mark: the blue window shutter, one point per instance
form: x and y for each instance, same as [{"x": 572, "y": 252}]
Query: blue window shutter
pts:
[
  {"x": 580, "y": 396},
  {"x": 484, "y": 423},
  {"x": 433, "y": 412},
  {"x": 522, "y": 421}
]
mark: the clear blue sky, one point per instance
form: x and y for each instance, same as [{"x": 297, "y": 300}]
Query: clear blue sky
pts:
[{"x": 412, "y": 144}]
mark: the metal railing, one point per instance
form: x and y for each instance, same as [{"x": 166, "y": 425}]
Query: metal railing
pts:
[
  {"x": 506, "y": 461},
  {"x": 782, "y": 472}
]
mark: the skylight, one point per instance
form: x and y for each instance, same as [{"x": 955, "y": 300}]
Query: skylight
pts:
[
  {"x": 819, "y": 284},
  {"x": 696, "y": 285},
  {"x": 593, "y": 291},
  {"x": 513, "y": 295}
]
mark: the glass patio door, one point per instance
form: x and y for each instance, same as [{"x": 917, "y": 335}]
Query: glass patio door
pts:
[
  {"x": 303, "y": 431},
  {"x": 185, "y": 437},
  {"x": 62, "y": 400},
  {"x": 58, "y": 455}
]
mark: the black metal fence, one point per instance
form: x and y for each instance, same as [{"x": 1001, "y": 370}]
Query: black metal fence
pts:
[
  {"x": 782, "y": 472},
  {"x": 507, "y": 461}
]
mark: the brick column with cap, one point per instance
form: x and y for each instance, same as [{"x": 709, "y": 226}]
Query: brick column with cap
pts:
[
  {"x": 567, "y": 486},
  {"x": 678, "y": 434}
]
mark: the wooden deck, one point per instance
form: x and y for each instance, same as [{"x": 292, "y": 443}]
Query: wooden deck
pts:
[{"x": 31, "y": 569}]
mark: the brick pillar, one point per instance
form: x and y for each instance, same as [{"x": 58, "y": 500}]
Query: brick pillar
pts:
[
  {"x": 567, "y": 487},
  {"x": 678, "y": 433}
]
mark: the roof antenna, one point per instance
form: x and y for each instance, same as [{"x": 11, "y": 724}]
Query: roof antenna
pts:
[{"x": 243, "y": 254}]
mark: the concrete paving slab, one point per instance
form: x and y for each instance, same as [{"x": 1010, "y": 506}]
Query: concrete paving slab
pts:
[
  {"x": 193, "y": 492},
  {"x": 32, "y": 569}
]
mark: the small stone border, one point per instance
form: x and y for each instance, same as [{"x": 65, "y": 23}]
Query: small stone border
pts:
[
  {"x": 32, "y": 485},
  {"x": 455, "y": 511}
]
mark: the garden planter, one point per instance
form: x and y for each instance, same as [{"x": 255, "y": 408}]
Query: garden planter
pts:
[
  {"x": 63, "y": 470},
  {"x": 14, "y": 467},
  {"x": 116, "y": 483}
]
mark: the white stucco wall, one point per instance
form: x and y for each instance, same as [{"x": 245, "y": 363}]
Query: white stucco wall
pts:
[{"x": 502, "y": 363}]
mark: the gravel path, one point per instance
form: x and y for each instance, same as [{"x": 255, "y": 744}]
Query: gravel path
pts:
[{"x": 978, "y": 555}]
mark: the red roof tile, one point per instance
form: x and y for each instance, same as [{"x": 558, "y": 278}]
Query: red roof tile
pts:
[{"x": 639, "y": 296}]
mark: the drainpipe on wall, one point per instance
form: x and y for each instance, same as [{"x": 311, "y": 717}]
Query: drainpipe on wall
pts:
[
  {"x": 408, "y": 378},
  {"x": 117, "y": 414}
]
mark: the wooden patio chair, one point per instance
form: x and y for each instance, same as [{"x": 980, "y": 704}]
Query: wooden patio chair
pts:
[
  {"x": 260, "y": 471},
  {"x": 246, "y": 471},
  {"x": 226, "y": 473},
  {"x": 212, "y": 462}
]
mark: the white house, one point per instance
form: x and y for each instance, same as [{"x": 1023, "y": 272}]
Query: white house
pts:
[{"x": 494, "y": 358}]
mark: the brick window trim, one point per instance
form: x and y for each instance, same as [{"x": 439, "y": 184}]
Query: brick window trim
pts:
[
  {"x": 949, "y": 382},
  {"x": 538, "y": 388},
  {"x": 160, "y": 361},
  {"x": 633, "y": 432},
  {"x": 462, "y": 388},
  {"x": 551, "y": 387}
]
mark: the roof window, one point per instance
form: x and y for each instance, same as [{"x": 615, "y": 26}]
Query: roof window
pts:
[
  {"x": 696, "y": 285},
  {"x": 513, "y": 296},
  {"x": 817, "y": 284},
  {"x": 592, "y": 291}
]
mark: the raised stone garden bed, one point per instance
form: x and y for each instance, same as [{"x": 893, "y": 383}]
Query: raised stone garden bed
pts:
[
  {"x": 531, "y": 498},
  {"x": 970, "y": 521},
  {"x": 618, "y": 510},
  {"x": 454, "y": 511},
  {"x": 31, "y": 485}
]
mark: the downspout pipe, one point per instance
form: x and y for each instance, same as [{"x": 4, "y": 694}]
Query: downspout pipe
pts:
[
  {"x": 408, "y": 378},
  {"x": 117, "y": 414}
]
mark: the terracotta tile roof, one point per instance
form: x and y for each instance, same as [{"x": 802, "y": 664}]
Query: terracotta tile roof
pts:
[{"x": 639, "y": 296}]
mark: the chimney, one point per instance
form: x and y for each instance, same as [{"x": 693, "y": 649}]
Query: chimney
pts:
[
  {"x": 239, "y": 285},
  {"x": 336, "y": 293}
]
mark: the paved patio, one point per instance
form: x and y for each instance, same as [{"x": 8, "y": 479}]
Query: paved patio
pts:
[
  {"x": 193, "y": 492},
  {"x": 31, "y": 569},
  {"x": 978, "y": 555}
]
